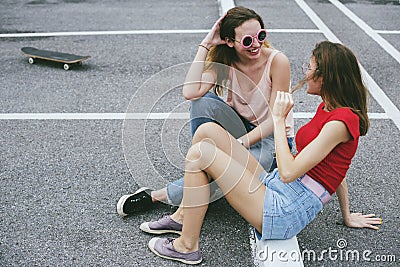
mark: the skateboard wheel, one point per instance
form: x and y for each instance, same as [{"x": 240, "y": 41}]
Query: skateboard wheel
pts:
[
  {"x": 31, "y": 61},
  {"x": 66, "y": 67}
]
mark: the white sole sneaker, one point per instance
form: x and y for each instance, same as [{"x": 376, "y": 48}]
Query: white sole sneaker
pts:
[
  {"x": 124, "y": 198},
  {"x": 145, "y": 228}
]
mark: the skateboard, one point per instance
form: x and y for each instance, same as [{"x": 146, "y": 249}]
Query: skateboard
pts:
[{"x": 67, "y": 59}]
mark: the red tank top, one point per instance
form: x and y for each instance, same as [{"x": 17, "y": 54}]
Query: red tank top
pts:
[{"x": 333, "y": 168}]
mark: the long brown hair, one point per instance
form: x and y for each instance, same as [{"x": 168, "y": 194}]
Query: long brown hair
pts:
[
  {"x": 342, "y": 84},
  {"x": 223, "y": 54}
]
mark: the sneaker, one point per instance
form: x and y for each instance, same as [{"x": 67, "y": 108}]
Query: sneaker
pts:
[
  {"x": 163, "y": 225},
  {"x": 164, "y": 248},
  {"x": 138, "y": 201}
]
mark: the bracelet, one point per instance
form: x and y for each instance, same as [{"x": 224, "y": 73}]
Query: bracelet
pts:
[{"x": 204, "y": 47}]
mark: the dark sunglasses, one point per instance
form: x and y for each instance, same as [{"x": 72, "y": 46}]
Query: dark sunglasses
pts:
[{"x": 247, "y": 40}]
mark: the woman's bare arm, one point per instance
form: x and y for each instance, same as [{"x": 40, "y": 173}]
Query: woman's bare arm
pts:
[
  {"x": 290, "y": 167},
  {"x": 355, "y": 220},
  {"x": 198, "y": 82},
  {"x": 280, "y": 77}
]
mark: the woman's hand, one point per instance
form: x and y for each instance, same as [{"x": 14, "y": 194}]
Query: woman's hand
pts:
[
  {"x": 213, "y": 37},
  {"x": 358, "y": 220},
  {"x": 282, "y": 106}
]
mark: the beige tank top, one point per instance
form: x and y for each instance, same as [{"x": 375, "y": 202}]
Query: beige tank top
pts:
[{"x": 253, "y": 105}]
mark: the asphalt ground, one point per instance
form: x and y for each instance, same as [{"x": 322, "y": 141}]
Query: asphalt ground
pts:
[{"x": 60, "y": 178}]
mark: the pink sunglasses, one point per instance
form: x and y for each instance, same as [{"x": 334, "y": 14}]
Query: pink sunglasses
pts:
[{"x": 247, "y": 40}]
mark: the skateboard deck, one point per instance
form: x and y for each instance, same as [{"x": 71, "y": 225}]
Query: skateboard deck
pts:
[{"x": 68, "y": 59}]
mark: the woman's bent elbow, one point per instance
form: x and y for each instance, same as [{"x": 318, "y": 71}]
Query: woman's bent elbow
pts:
[
  {"x": 287, "y": 177},
  {"x": 188, "y": 95}
]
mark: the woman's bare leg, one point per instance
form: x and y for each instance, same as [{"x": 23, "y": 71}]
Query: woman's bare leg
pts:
[
  {"x": 225, "y": 142},
  {"x": 177, "y": 216},
  {"x": 241, "y": 187},
  {"x": 159, "y": 195},
  {"x": 194, "y": 206},
  {"x": 228, "y": 144}
]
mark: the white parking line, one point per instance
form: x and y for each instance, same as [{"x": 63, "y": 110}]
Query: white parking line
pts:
[
  {"x": 294, "y": 30},
  {"x": 387, "y": 31},
  {"x": 134, "y": 32},
  {"x": 377, "y": 93},
  {"x": 225, "y": 5},
  {"x": 93, "y": 116},
  {"x": 88, "y": 33},
  {"x": 368, "y": 30},
  {"x": 133, "y": 116},
  {"x": 310, "y": 115}
]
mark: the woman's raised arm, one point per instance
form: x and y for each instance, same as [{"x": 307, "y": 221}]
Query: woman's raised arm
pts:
[
  {"x": 197, "y": 82},
  {"x": 290, "y": 167}
]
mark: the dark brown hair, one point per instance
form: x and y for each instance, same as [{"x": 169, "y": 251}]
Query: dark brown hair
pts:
[
  {"x": 342, "y": 84},
  {"x": 223, "y": 54}
]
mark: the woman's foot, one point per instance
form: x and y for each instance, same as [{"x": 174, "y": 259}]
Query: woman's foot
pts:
[
  {"x": 164, "y": 247},
  {"x": 163, "y": 225},
  {"x": 141, "y": 200}
]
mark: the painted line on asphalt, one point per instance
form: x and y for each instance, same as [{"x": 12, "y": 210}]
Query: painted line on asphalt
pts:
[
  {"x": 368, "y": 30},
  {"x": 317, "y": 21},
  {"x": 93, "y": 116},
  {"x": 86, "y": 33},
  {"x": 377, "y": 93},
  {"x": 225, "y": 5},
  {"x": 135, "y": 32},
  {"x": 310, "y": 115},
  {"x": 134, "y": 116},
  {"x": 294, "y": 30},
  {"x": 387, "y": 32}
]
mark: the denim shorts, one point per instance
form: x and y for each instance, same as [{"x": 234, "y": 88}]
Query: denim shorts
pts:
[{"x": 288, "y": 207}]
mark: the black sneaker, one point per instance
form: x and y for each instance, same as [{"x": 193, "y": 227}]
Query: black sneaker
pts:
[{"x": 138, "y": 201}]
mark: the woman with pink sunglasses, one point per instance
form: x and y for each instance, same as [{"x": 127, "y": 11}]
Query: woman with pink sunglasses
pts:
[{"x": 236, "y": 56}]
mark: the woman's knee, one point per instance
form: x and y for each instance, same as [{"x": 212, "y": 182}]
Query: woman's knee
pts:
[
  {"x": 200, "y": 156},
  {"x": 206, "y": 131}
]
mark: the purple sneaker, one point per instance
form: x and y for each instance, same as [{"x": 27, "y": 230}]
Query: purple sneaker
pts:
[
  {"x": 164, "y": 248},
  {"x": 162, "y": 226}
]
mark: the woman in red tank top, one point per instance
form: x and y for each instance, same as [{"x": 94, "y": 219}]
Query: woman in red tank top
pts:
[{"x": 280, "y": 204}]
